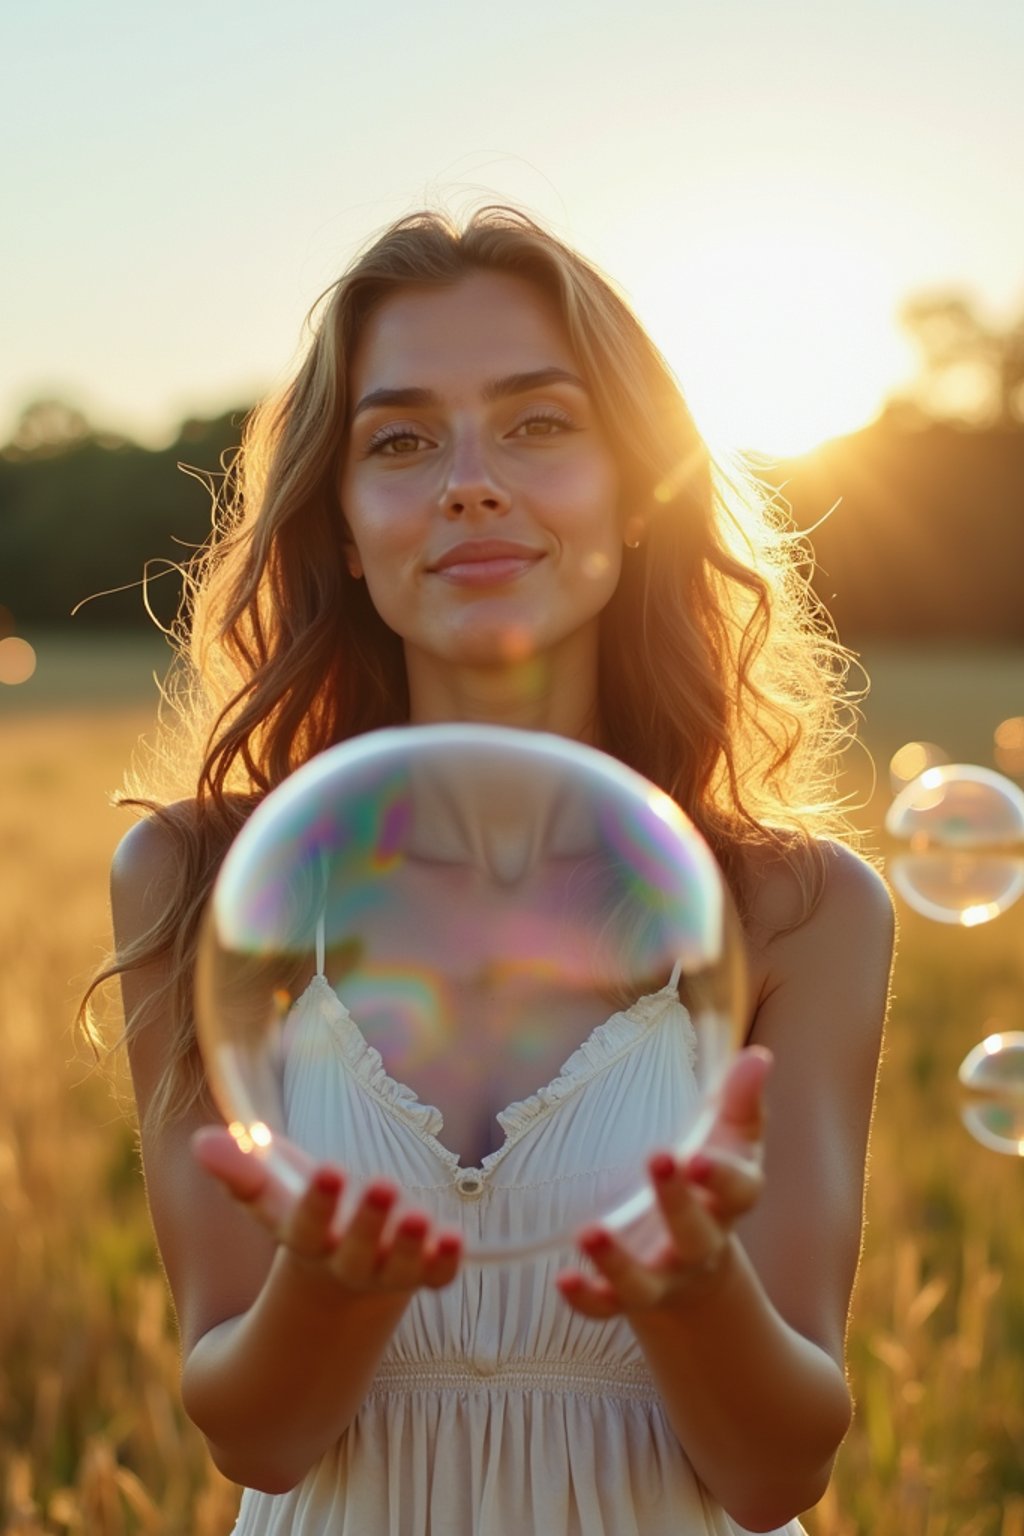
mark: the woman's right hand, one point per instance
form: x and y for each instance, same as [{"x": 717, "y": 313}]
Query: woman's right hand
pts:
[{"x": 370, "y": 1252}]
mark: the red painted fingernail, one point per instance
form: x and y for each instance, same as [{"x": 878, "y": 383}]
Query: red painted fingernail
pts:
[
  {"x": 597, "y": 1241},
  {"x": 413, "y": 1225},
  {"x": 448, "y": 1243},
  {"x": 699, "y": 1167},
  {"x": 380, "y": 1197},
  {"x": 662, "y": 1166},
  {"x": 327, "y": 1181},
  {"x": 571, "y": 1282}
]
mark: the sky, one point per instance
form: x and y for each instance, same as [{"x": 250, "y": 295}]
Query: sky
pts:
[{"x": 766, "y": 182}]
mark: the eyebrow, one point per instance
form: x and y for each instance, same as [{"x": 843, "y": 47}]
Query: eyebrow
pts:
[{"x": 496, "y": 389}]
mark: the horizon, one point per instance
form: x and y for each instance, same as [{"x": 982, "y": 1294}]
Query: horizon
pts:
[{"x": 758, "y": 185}]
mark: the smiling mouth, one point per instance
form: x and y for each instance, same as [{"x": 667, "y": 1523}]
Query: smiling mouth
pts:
[{"x": 483, "y": 562}]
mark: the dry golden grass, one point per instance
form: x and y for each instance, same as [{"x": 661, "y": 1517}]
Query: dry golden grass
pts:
[
  {"x": 92, "y": 1438},
  {"x": 91, "y": 1435}
]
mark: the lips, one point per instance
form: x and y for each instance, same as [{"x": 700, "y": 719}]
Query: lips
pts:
[
  {"x": 479, "y": 564},
  {"x": 485, "y": 552}
]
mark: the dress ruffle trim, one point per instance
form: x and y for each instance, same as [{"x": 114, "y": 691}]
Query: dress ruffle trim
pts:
[
  {"x": 367, "y": 1066},
  {"x": 605, "y": 1044},
  {"x": 602, "y": 1047}
]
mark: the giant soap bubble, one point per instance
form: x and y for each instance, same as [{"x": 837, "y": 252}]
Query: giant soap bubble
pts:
[
  {"x": 464, "y": 958},
  {"x": 962, "y": 830}
]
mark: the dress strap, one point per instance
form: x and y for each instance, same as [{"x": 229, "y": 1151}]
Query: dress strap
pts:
[
  {"x": 321, "y": 945},
  {"x": 673, "y": 981}
]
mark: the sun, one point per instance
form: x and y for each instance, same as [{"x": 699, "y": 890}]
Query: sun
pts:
[{"x": 780, "y": 339}]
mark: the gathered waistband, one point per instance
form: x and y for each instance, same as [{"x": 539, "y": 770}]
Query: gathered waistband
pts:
[{"x": 560, "y": 1377}]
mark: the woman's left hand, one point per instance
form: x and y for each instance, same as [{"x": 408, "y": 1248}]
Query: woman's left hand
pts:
[{"x": 699, "y": 1196}]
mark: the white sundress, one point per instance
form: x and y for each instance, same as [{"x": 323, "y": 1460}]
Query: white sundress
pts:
[{"x": 497, "y": 1410}]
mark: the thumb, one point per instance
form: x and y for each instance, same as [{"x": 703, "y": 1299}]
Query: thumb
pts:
[
  {"x": 218, "y": 1154},
  {"x": 741, "y": 1103}
]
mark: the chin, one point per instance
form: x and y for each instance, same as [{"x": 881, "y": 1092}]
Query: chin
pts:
[{"x": 509, "y": 644}]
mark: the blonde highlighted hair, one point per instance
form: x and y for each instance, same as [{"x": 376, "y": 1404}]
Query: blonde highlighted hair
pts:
[{"x": 719, "y": 676}]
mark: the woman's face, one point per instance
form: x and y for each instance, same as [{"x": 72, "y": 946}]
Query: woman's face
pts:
[{"x": 479, "y": 489}]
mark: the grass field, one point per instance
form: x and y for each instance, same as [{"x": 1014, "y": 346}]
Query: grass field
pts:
[{"x": 92, "y": 1438}]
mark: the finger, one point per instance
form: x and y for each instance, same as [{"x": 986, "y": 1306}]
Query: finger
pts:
[
  {"x": 402, "y": 1267},
  {"x": 218, "y": 1154},
  {"x": 634, "y": 1285},
  {"x": 693, "y": 1230},
  {"x": 731, "y": 1186},
  {"x": 741, "y": 1102},
  {"x": 248, "y": 1177},
  {"x": 590, "y": 1298},
  {"x": 308, "y": 1230},
  {"x": 442, "y": 1264},
  {"x": 355, "y": 1258}
]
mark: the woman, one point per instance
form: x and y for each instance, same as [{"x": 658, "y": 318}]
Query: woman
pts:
[{"x": 483, "y": 499}]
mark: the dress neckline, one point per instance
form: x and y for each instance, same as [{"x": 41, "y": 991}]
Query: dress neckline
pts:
[{"x": 606, "y": 1043}]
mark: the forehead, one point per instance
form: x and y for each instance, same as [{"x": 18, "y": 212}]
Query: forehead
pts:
[{"x": 484, "y": 325}]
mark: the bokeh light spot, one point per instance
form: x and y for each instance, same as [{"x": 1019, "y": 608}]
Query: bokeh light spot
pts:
[
  {"x": 1009, "y": 745},
  {"x": 913, "y": 759},
  {"x": 17, "y": 660}
]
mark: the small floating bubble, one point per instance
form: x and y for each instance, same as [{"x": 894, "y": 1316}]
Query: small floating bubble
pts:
[
  {"x": 992, "y": 1079},
  {"x": 962, "y": 831}
]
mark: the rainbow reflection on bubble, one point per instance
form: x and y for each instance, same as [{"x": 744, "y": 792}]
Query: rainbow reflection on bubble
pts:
[{"x": 274, "y": 901}]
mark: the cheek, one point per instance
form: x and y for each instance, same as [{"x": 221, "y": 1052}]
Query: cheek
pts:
[
  {"x": 385, "y": 522},
  {"x": 586, "y": 501}
]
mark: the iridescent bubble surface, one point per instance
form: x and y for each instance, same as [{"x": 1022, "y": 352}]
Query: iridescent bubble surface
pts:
[
  {"x": 446, "y": 916},
  {"x": 992, "y": 1081},
  {"x": 962, "y": 831}
]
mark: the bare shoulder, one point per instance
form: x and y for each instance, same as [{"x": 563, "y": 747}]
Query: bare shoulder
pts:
[
  {"x": 144, "y": 865},
  {"x": 852, "y": 914}
]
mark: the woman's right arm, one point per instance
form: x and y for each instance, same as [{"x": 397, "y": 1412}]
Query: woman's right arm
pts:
[{"x": 283, "y": 1316}]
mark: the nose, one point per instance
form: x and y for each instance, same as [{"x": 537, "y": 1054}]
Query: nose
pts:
[{"x": 471, "y": 486}]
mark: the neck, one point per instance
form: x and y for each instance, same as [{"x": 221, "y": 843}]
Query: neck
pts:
[{"x": 556, "y": 692}]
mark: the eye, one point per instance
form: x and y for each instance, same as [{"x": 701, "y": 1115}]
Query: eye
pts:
[
  {"x": 545, "y": 422},
  {"x": 397, "y": 441}
]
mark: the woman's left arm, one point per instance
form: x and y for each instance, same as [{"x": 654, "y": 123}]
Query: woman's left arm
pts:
[{"x": 742, "y": 1314}]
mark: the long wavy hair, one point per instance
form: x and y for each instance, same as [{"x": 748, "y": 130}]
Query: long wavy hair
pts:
[{"x": 719, "y": 676}]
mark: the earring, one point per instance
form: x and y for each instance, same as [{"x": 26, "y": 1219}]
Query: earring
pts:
[{"x": 633, "y": 531}]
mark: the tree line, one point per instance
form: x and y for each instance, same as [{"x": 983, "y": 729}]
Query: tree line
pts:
[{"x": 915, "y": 523}]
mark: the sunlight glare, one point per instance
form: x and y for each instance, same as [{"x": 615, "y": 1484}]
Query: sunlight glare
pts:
[{"x": 781, "y": 340}]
